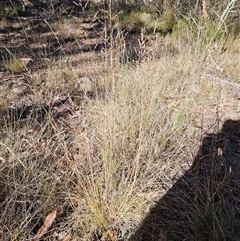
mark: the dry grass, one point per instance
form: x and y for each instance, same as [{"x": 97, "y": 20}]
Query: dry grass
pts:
[{"x": 134, "y": 133}]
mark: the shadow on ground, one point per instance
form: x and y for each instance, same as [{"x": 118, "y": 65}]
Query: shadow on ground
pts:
[
  {"x": 41, "y": 37},
  {"x": 204, "y": 204}
]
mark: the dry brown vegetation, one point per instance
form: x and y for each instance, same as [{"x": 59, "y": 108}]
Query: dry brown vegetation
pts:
[{"x": 100, "y": 119}]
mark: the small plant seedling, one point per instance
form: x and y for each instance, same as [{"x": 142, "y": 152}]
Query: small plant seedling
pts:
[{"x": 17, "y": 65}]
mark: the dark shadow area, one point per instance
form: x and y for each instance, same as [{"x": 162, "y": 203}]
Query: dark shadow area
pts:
[
  {"x": 204, "y": 204},
  {"x": 31, "y": 37}
]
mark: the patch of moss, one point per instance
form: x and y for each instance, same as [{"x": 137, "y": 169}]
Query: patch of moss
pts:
[
  {"x": 6, "y": 12},
  {"x": 9, "y": 12},
  {"x": 131, "y": 22},
  {"x": 135, "y": 20},
  {"x": 17, "y": 65}
]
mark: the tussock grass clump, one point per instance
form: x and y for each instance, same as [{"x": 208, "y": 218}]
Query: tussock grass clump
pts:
[
  {"x": 136, "y": 140},
  {"x": 125, "y": 150},
  {"x": 104, "y": 160},
  {"x": 17, "y": 65}
]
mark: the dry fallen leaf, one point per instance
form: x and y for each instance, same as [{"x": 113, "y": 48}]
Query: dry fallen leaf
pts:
[
  {"x": 46, "y": 225},
  {"x": 67, "y": 237}
]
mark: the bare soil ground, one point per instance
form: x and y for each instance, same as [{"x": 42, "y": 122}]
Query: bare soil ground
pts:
[{"x": 77, "y": 41}]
